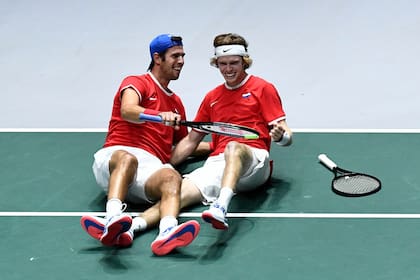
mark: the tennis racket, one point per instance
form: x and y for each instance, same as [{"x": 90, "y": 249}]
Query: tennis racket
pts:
[
  {"x": 221, "y": 128},
  {"x": 349, "y": 183}
]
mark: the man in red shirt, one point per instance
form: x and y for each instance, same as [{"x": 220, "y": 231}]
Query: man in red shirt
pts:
[
  {"x": 133, "y": 164},
  {"x": 235, "y": 165}
]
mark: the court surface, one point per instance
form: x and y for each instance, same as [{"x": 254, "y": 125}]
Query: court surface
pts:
[{"x": 293, "y": 228}]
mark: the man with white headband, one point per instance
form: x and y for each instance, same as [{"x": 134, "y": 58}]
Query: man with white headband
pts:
[
  {"x": 226, "y": 50},
  {"x": 234, "y": 165}
]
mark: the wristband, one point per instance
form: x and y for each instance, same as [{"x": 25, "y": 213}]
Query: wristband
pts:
[
  {"x": 284, "y": 139},
  {"x": 151, "y": 112}
]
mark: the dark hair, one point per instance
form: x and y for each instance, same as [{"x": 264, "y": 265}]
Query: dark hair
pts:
[{"x": 177, "y": 41}]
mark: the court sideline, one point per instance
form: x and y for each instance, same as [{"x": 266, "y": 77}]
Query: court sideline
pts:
[{"x": 295, "y": 227}]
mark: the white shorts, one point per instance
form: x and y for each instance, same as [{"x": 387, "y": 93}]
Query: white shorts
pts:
[
  {"x": 208, "y": 178},
  {"x": 147, "y": 165}
]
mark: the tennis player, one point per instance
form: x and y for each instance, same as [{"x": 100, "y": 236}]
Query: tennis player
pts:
[
  {"x": 235, "y": 165},
  {"x": 133, "y": 164}
]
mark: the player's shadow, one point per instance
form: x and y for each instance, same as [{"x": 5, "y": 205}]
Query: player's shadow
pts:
[
  {"x": 112, "y": 263},
  {"x": 266, "y": 198},
  {"x": 110, "y": 259}
]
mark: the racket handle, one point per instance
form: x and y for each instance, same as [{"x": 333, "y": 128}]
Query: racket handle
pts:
[
  {"x": 327, "y": 161},
  {"x": 150, "y": 118}
]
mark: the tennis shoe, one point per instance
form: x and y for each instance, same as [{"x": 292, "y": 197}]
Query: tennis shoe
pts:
[
  {"x": 95, "y": 227},
  {"x": 115, "y": 226},
  {"x": 174, "y": 237},
  {"x": 216, "y": 216},
  {"x": 125, "y": 239}
]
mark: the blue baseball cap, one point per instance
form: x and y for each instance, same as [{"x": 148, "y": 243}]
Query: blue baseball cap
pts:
[{"x": 163, "y": 42}]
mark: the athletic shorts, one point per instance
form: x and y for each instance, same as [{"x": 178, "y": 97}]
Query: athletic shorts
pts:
[
  {"x": 208, "y": 178},
  {"x": 147, "y": 165}
]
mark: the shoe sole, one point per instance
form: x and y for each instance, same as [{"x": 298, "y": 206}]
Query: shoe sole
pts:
[
  {"x": 124, "y": 240},
  {"x": 182, "y": 237},
  {"x": 92, "y": 227},
  {"x": 96, "y": 229},
  {"x": 115, "y": 230},
  {"x": 209, "y": 218}
]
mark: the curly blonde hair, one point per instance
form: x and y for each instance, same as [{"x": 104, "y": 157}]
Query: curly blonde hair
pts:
[{"x": 231, "y": 39}]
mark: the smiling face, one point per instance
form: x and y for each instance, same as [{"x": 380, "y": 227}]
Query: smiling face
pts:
[
  {"x": 167, "y": 66},
  {"x": 232, "y": 69},
  {"x": 173, "y": 62}
]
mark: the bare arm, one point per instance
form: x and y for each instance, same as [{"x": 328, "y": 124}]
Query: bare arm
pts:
[
  {"x": 187, "y": 146},
  {"x": 203, "y": 149},
  {"x": 130, "y": 108}
]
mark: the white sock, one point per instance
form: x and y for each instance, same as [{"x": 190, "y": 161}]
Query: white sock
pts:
[
  {"x": 138, "y": 224},
  {"x": 225, "y": 196},
  {"x": 167, "y": 222},
  {"x": 113, "y": 207}
]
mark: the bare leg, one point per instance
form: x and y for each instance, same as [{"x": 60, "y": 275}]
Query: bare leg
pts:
[
  {"x": 190, "y": 195},
  {"x": 165, "y": 185},
  {"x": 122, "y": 167},
  {"x": 238, "y": 158},
  {"x": 171, "y": 235}
]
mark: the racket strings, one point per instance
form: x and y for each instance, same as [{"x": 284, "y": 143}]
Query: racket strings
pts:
[
  {"x": 226, "y": 129},
  {"x": 230, "y": 130},
  {"x": 355, "y": 184}
]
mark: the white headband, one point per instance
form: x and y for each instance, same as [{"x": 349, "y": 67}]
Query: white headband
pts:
[{"x": 230, "y": 50}]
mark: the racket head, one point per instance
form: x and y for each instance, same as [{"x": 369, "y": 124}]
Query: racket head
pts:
[
  {"x": 352, "y": 184},
  {"x": 228, "y": 129}
]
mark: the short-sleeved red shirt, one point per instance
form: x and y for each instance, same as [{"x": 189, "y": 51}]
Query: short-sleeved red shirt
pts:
[
  {"x": 256, "y": 104},
  {"x": 155, "y": 138}
]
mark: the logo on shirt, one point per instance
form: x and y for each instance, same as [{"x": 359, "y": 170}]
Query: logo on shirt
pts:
[
  {"x": 213, "y": 103},
  {"x": 153, "y": 97},
  {"x": 246, "y": 95}
]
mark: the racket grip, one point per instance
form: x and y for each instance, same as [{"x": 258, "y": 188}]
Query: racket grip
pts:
[
  {"x": 327, "y": 161},
  {"x": 150, "y": 118}
]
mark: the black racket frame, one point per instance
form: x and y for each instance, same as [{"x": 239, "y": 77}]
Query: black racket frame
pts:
[{"x": 342, "y": 173}]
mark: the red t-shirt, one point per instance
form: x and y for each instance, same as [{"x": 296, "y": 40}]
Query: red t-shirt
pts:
[
  {"x": 256, "y": 104},
  {"x": 155, "y": 138}
]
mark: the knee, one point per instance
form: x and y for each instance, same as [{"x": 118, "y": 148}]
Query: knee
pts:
[
  {"x": 233, "y": 149},
  {"x": 237, "y": 152},
  {"x": 170, "y": 181},
  {"x": 124, "y": 160},
  {"x": 170, "y": 175}
]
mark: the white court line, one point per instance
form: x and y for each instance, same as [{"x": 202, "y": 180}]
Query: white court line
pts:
[
  {"x": 356, "y": 130},
  {"x": 53, "y": 129},
  {"x": 232, "y": 215},
  {"x": 302, "y": 130}
]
